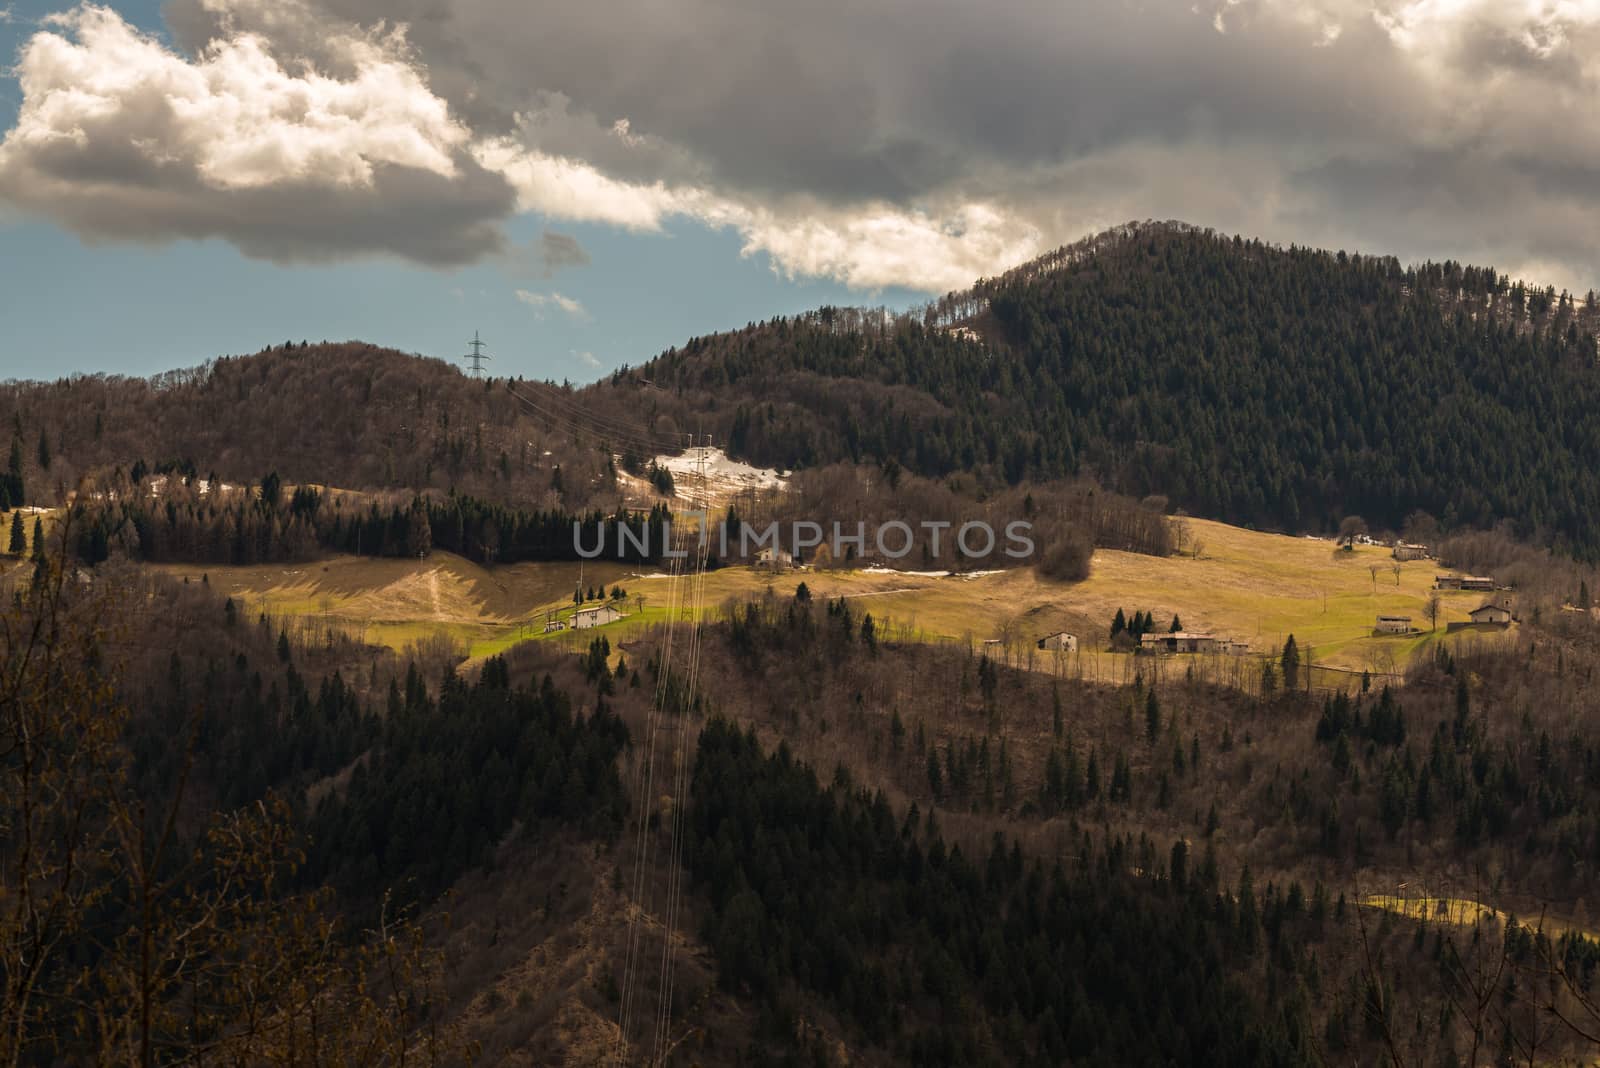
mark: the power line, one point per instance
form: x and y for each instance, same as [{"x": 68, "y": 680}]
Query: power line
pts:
[
  {"x": 578, "y": 422},
  {"x": 620, "y": 427},
  {"x": 676, "y": 691},
  {"x": 476, "y": 356},
  {"x": 697, "y": 583},
  {"x": 674, "y": 695},
  {"x": 604, "y": 427}
]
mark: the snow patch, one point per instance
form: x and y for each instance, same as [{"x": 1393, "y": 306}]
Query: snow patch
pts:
[
  {"x": 879, "y": 569},
  {"x": 725, "y": 478}
]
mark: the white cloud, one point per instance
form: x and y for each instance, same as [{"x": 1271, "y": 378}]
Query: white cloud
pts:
[
  {"x": 867, "y": 246},
  {"x": 878, "y": 246},
  {"x": 589, "y": 360},
  {"x": 118, "y": 136},
  {"x": 571, "y": 190},
  {"x": 541, "y": 301}
]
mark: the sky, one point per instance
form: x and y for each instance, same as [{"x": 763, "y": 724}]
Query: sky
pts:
[{"x": 589, "y": 184}]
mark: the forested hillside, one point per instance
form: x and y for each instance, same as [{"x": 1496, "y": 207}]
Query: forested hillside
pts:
[
  {"x": 1255, "y": 384},
  {"x": 987, "y": 865},
  {"x": 1277, "y": 387},
  {"x": 350, "y": 415}
]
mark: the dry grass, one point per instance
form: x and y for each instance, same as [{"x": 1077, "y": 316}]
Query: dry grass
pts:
[
  {"x": 1465, "y": 912},
  {"x": 1244, "y": 585}
]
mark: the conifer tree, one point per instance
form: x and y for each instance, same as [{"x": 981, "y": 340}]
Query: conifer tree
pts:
[{"x": 1291, "y": 664}]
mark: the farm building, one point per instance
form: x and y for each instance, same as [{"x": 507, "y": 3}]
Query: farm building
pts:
[
  {"x": 584, "y": 618},
  {"x": 1409, "y": 551},
  {"x": 554, "y": 625},
  {"x": 1062, "y": 642},
  {"x": 1393, "y": 625},
  {"x": 1463, "y": 582},
  {"x": 774, "y": 559},
  {"x": 1492, "y": 614},
  {"x": 1180, "y": 642}
]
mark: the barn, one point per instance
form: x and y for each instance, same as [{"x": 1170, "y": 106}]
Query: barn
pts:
[
  {"x": 1060, "y": 642},
  {"x": 1178, "y": 642}
]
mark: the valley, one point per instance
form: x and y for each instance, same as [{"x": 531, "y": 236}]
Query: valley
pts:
[{"x": 1215, "y": 775}]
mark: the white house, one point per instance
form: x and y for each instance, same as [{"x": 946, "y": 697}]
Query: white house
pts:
[
  {"x": 584, "y": 618},
  {"x": 1492, "y": 614},
  {"x": 1062, "y": 642},
  {"x": 774, "y": 559}
]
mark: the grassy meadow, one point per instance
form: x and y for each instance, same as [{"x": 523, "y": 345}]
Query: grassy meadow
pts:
[{"x": 1243, "y": 585}]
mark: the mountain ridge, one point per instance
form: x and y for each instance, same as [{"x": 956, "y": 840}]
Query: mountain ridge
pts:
[
  {"x": 1157, "y": 358},
  {"x": 1164, "y": 360}
]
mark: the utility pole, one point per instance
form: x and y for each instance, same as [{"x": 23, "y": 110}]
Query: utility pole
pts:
[{"x": 476, "y": 356}]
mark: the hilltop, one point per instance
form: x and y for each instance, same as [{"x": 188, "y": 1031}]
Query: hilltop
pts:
[
  {"x": 1285, "y": 388},
  {"x": 346, "y": 414}
]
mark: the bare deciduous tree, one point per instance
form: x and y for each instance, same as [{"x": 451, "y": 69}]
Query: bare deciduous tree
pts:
[{"x": 196, "y": 946}]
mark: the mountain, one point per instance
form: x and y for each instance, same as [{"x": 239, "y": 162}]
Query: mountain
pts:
[
  {"x": 1285, "y": 388},
  {"x": 1280, "y": 388}
]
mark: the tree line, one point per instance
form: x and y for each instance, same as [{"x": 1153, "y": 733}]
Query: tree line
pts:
[{"x": 264, "y": 523}]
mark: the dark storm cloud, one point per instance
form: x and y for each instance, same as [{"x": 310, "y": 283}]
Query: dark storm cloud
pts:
[{"x": 1408, "y": 126}]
